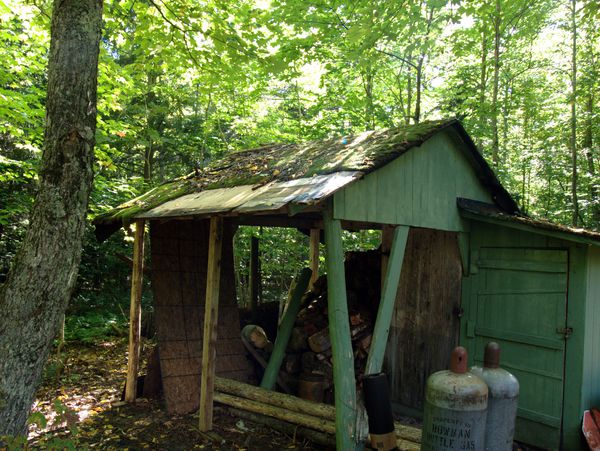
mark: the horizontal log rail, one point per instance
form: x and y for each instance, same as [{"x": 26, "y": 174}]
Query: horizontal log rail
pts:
[{"x": 308, "y": 414}]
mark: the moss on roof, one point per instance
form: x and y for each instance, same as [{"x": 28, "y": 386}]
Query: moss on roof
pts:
[{"x": 364, "y": 152}]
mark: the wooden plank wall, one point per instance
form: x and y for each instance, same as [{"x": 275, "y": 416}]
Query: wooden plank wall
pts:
[
  {"x": 419, "y": 188},
  {"x": 425, "y": 327},
  {"x": 179, "y": 257}
]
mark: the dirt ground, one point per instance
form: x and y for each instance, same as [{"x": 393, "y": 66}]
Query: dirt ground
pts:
[{"x": 81, "y": 400}]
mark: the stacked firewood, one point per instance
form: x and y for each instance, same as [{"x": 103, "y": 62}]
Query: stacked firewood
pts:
[{"x": 309, "y": 353}]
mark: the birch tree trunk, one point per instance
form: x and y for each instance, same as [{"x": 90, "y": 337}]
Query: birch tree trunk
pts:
[{"x": 43, "y": 275}]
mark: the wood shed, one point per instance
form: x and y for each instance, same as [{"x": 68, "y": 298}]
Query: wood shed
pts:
[{"x": 461, "y": 264}]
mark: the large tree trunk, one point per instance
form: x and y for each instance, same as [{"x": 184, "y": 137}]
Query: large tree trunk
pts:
[{"x": 40, "y": 283}]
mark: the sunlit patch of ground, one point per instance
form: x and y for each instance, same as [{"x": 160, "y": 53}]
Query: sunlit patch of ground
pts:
[{"x": 81, "y": 400}]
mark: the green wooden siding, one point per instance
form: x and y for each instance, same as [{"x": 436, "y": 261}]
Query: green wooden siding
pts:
[
  {"x": 576, "y": 318},
  {"x": 419, "y": 188},
  {"x": 512, "y": 271},
  {"x": 591, "y": 371},
  {"x": 519, "y": 296}
]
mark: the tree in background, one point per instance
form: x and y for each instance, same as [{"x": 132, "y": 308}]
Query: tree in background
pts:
[{"x": 44, "y": 272}]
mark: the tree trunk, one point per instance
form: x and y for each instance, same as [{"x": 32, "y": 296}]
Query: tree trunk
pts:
[
  {"x": 496, "y": 82},
  {"x": 588, "y": 144},
  {"x": 482, "y": 80},
  {"x": 573, "y": 134},
  {"x": 369, "y": 101},
  {"x": 38, "y": 288},
  {"x": 418, "y": 81}
]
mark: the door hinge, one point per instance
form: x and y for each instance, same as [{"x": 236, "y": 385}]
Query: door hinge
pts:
[{"x": 565, "y": 331}]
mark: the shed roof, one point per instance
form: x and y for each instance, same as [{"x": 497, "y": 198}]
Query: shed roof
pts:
[
  {"x": 249, "y": 176},
  {"x": 491, "y": 213}
]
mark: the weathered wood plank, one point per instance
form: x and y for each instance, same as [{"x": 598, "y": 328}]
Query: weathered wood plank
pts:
[
  {"x": 339, "y": 329},
  {"x": 135, "y": 312},
  {"x": 419, "y": 188},
  {"x": 425, "y": 325},
  {"x": 210, "y": 323},
  {"x": 388, "y": 298}
]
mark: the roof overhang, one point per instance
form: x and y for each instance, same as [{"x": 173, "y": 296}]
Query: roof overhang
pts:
[
  {"x": 288, "y": 197},
  {"x": 484, "y": 212}
]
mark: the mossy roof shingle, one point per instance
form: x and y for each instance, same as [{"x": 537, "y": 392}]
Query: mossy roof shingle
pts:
[{"x": 363, "y": 153}]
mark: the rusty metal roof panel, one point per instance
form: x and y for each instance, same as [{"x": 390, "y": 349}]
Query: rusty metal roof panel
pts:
[{"x": 253, "y": 198}]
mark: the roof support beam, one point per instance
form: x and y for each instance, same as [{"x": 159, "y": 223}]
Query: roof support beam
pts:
[
  {"x": 135, "y": 312},
  {"x": 209, "y": 353},
  {"x": 339, "y": 331},
  {"x": 388, "y": 297}
]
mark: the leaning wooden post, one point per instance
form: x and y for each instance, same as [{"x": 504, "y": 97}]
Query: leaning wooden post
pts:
[
  {"x": 339, "y": 331},
  {"x": 315, "y": 236},
  {"x": 386, "y": 304},
  {"x": 284, "y": 332},
  {"x": 211, "y": 310},
  {"x": 135, "y": 312}
]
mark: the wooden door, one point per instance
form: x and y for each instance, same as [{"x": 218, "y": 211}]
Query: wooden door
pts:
[{"x": 517, "y": 297}]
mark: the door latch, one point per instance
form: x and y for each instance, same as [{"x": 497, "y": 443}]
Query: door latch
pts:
[{"x": 565, "y": 331}]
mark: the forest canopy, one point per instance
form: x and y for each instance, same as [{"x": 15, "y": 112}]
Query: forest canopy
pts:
[{"x": 182, "y": 83}]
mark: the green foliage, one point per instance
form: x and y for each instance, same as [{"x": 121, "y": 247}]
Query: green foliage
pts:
[
  {"x": 94, "y": 326},
  {"x": 283, "y": 252},
  {"x": 182, "y": 83}
]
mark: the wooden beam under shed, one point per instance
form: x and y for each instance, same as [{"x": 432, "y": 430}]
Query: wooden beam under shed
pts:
[
  {"x": 339, "y": 331},
  {"x": 135, "y": 311},
  {"x": 388, "y": 297},
  {"x": 209, "y": 353}
]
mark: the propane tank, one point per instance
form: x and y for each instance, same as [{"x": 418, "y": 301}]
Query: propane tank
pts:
[
  {"x": 455, "y": 408},
  {"x": 502, "y": 403}
]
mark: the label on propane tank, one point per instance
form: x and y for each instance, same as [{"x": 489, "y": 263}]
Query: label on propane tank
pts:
[{"x": 450, "y": 430}]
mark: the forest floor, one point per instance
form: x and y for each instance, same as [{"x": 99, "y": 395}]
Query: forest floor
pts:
[{"x": 81, "y": 402}]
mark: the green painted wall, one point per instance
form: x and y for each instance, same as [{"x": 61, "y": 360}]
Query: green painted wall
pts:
[
  {"x": 419, "y": 188},
  {"x": 485, "y": 239},
  {"x": 590, "y": 395}
]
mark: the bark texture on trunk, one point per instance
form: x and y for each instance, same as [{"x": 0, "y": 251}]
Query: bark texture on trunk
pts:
[{"x": 43, "y": 275}]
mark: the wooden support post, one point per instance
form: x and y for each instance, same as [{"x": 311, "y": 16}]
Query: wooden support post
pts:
[
  {"x": 285, "y": 329},
  {"x": 315, "y": 235},
  {"x": 387, "y": 235},
  {"x": 386, "y": 305},
  {"x": 254, "y": 277},
  {"x": 211, "y": 310},
  {"x": 339, "y": 331},
  {"x": 135, "y": 312}
]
